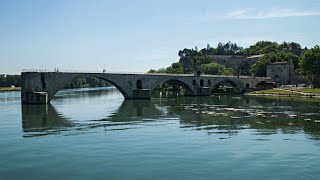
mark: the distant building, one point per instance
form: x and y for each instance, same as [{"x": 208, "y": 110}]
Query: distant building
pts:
[{"x": 281, "y": 72}]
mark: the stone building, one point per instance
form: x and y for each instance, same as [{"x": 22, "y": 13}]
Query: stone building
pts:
[{"x": 281, "y": 72}]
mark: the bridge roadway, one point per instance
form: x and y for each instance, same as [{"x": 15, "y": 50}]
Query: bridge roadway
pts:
[{"x": 40, "y": 86}]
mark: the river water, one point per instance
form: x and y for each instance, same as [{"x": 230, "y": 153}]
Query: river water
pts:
[{"x": 96, "y": 134}]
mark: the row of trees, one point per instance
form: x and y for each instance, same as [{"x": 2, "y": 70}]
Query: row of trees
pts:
[
  {"x": 209, "y": 68},
  {"x": 229, "y": 48},
  {"x": 10, "y": 80},
  {"x": 81, "y": 82}
]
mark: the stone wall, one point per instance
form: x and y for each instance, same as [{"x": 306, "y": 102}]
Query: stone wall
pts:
[
  {"x": 281, "y": 72},
  {"x": 235, "y": 62}
]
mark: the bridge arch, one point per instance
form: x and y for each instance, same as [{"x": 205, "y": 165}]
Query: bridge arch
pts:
[
  {"x": 189, "y": 90},
  {"x": 123, "y": 92},
  {"x": 236, "y": 84},
  {"x": 62, "y": 80}
]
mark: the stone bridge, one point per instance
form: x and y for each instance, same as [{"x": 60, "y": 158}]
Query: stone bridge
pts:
[{"x": 41, "y": 86}]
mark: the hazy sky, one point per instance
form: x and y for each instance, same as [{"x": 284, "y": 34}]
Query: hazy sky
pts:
[{"x": 142, "y": 34}]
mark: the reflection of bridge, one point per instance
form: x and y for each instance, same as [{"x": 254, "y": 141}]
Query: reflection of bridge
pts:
[
  {"x": 41, "y": 86},
  {"x": 44, "y": 119}
]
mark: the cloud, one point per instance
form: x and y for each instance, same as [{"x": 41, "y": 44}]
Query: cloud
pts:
[{"x": 272, "y": 13}]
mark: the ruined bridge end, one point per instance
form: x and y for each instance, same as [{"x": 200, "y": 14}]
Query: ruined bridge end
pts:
[{"x": 40, "y": 87}]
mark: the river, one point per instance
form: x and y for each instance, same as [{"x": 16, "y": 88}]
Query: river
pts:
[{"x": 96, "y": 134}]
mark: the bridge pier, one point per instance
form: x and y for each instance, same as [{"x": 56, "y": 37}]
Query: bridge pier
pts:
[
  {"x": 34, "y": 97},
  {"x": 141, "y": 94},
  {"x": 203, "y": 91},
  {"x": 33, "y": 89}
]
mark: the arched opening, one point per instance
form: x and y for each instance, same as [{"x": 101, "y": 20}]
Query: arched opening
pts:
[
  {"x": 226, "y": 87},
  {"x": 172, "y": 88},
  {"x": 139, "y": 84},
  {"x": 89, "y": 83},
  {"x": 247, "y": 86},
  {"x": 209, "y": 83},
  {"x": 198, "y": 73},
  {"x": 194, "y": 82},
  {"x": 201, "y": 83},
  {"x": 265, "y": 85}
]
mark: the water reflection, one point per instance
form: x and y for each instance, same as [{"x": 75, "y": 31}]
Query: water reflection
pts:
[
  {"x": 42, "y": 119},
  {"x": 265, "y": 116},
  {"x": 223, "y": 116}
]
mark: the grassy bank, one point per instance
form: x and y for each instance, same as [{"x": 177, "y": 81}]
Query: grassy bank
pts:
[
  {"x": 304, "y": 92},
  {"x": 9, "y": 88},
  {"x": 307, "y": 90}
]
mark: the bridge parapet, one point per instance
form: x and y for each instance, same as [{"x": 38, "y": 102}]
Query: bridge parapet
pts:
[{"x": 145, "y": 73}]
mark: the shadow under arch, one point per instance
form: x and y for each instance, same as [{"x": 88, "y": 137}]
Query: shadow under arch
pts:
[
  {"x": 237, "y": 87},
  {"x": 44, "y": 119},
  {"x": 188, "y": 90},
  {"x": 114, "y": 84},
  {"x": 67, "y": 80}
]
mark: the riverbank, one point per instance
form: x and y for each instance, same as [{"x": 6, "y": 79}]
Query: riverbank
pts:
[
  {"x": 10, "y": 89},
  {"x": 299, "y": 92}
]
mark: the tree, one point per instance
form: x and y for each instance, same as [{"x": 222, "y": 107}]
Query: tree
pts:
[
  {"x": 187, "y": 52},
  {"x": 262, "y": 47},
  {"x": 310, "y": 65},
  {"x": 292, "y": 47},
  {"x": 175, "y": 68},
  {"x": 78, "y": 82},
  {"x": 216, "y": 69},
  {"x": 2, "y": 80},
  {"x": 244, "y": 69},
  {"x": 93, "y": 81},
  {"x": 202, "y": 59}
]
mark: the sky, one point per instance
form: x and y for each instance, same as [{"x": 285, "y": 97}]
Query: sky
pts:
[{"x": 135, "y": 36}]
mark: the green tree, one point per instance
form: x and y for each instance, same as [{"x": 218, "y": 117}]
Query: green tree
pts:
[
  {"x": 2, "y": 80},
  {"x": 216, "y": 69},
  {"x": 187, "y": 52},
  {"x": 175, "y": 68},
  {"x": 202, "y": 59},
  {"x": 161, "y": 70},
  {"x": 292, "y": 47},
  {"x": 310, "y": 65},
  {"x": 76, "y": 83},
  {"x": 93, "y": 81},
  {"x": 262, "y": 47}
]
